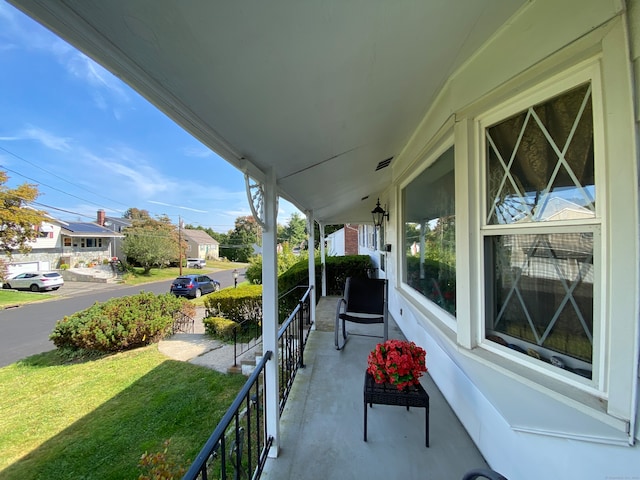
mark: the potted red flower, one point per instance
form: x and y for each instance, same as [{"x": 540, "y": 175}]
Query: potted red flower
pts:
[{"x": 398, "y": 362}]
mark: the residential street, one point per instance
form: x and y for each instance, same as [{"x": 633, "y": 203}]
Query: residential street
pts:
[{"x": 25, "y": 330}]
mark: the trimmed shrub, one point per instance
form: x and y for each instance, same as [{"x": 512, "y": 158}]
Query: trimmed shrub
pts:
[
  {"x": 120, "y": 323},
  {"x": 242, "y": 304},
  {"x": 220, "y": 327}
]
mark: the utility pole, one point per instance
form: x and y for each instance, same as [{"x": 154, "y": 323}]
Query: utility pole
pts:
[{"x": 180, "y": 243}]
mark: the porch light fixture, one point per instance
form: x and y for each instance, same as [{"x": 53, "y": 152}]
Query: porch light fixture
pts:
[{"x": 379, "y": 214}]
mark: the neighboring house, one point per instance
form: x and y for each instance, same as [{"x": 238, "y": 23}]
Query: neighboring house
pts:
[
  {"x": 116, "y": 225},
  {"x": 200, "y": 244},
  {"x": 491, "y": 107},
  {"x": 87, "y": 242},
  {"x": 61, "y": 242},
  {"x": 343, "y": 242}
]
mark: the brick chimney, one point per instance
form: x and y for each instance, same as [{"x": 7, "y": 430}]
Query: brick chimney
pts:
[{"x": 101, "y": 217}]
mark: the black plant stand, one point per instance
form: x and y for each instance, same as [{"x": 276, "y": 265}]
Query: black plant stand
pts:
[{"x": 387, "y": 394}]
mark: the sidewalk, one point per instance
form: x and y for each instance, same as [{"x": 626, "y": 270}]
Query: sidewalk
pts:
[{"x": 198, "y": 348}]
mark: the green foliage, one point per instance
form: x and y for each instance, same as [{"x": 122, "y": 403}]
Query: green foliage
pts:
[
  {"x": 151, "y": 242},
  {"x": 295, "y": 232},
  {"x": 240, "y": 304},
  {"x": 119, "y": 324},
  {"x": 64, "y": 266},
  {"x": 220, "y": 327},
  {"x": 246, "y": 233},
  {"x": 19, "y": 223},
  {"x": 286, "y": 259}
]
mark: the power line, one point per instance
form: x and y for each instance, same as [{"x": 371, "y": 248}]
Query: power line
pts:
[{"x": 58, "y": 176}]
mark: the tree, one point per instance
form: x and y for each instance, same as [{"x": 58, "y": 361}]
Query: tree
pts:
[
  {"x": 19, "y": 223},
  {"x": 295, "y": 232},
  {"x": 152, "y": 242},
  {"x": 246, "y": 233},
  {"x": 136, "y": 214}
]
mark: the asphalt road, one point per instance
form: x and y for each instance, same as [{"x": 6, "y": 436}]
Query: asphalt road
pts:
[{"x": 25, "y": 330}]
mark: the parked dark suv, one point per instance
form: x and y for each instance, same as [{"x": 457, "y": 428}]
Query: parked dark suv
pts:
[{"x": 193, "y": 286}]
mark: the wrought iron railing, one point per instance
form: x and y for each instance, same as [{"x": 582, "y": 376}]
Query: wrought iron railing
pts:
[
  {"x": 292, "y": 338},
  {"x": 248, "y": 334},
  {"x": 182, "y": 323},
  {"x": 239, "y": 445}
]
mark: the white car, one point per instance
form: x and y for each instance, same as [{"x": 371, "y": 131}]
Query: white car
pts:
[
  {"x": 196, "y": 263},
  {"x": 35, "y": 281}
]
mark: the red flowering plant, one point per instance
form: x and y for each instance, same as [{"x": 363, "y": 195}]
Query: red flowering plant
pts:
[{"x": 397, "y": 362}]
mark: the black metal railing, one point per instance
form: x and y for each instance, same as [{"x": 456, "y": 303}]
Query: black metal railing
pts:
[
  {"x": 292, "y": 339},
  {"x": 182, "y": 323},
  {"x": 248, "y": 330},
  {"x": 248, "y": 334},
  {"x": 238, "y": 446}
]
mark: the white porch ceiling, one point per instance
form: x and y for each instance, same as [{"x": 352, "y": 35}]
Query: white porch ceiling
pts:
[{"x": 319, "y": 91}]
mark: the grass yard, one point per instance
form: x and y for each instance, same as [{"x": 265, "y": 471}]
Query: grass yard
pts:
[
  {"x": 136, "y": 277},
  {"x": 95, "y": 419},
  {"x": 13, "y": 297}
]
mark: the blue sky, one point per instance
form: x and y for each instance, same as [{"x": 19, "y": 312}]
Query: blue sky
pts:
[{"x": 90, "y": 142}]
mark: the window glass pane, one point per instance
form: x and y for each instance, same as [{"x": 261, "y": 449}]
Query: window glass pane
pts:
[
  {"x": 540, "y": 162},
  {"x": 429, "y": 233},
  {"x": 541, "y": 296}
]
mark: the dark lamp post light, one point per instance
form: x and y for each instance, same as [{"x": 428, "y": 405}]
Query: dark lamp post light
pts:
[
  {"x": 235, "y": 278},
  {"x": 379, "y": 214}
]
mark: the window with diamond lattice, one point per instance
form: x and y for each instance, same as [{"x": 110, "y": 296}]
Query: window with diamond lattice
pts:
[{"x": 540, "y": 178}]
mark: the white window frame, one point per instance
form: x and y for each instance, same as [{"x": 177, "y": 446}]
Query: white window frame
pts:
[
  {"x": 428, "y": 308},
  {"x": 552, "y": 87}
]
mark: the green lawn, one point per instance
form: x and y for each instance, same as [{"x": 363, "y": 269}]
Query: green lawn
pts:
[
  {"x": 12, "y": 297},
  {"x": 95, "y": 419},
  {"x": 136, "y": 277}
]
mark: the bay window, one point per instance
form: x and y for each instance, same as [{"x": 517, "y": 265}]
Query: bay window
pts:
[{"x": 541, "y": 231}]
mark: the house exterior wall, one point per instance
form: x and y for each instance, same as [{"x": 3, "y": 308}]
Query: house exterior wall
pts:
[
  {"x": 509, "y": 404},
  {"x": 336, "y": 244},
  {"x": 351, "y": 239}
]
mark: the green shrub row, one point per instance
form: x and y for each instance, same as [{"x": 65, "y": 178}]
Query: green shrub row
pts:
[
  {"x": 242, "y": 304},
  {"x": 220, "y": 327},
  {"x": 120, "y": 323}
]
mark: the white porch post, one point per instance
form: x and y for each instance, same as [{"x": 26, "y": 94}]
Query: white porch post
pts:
[
  {"x": 312, "y": 268},
  {"x": 323, "y": 262},
  {"x": 270, "y": 310}
]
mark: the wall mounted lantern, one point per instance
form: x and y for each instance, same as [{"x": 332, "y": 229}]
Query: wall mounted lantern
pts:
[{"x": 379, "y": 214}]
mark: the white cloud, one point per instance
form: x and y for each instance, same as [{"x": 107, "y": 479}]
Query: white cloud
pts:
[
  {"x": 177, "y": 206},
  {"x": 46, "y": 138},
  {"x": 202, "y": 152}
]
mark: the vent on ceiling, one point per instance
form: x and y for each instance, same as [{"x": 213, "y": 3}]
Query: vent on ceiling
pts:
[{"x": 384, "y": 164}]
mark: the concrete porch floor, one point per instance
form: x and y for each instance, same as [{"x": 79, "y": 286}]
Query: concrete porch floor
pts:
[{"x": 321, "y": 428}]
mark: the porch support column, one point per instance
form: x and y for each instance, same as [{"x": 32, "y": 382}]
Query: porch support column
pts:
[
  {"x": 323, "y": 262},
  {"x": 423, "y": 229},
  {"x": 270, "y": 309},
  {"x": 312, "y": 268}
]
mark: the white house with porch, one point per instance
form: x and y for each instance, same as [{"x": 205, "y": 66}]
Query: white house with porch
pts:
[{"x": 468, "y": 120}]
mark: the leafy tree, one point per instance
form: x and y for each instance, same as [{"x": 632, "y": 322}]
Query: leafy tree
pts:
[
  {"x": 152, "y": 242},
  {"x": 246, "y": 233},
  {"x": 18, "y": 223},
  {"x": 295, "y": 232},
  {"x": 136, "y": 214}
]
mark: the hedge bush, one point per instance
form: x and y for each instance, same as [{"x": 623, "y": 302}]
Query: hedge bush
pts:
[
  {"x": 220, "y": 327},
  {"x": 242, "y": 304},
  {"x": 120, "y": 323}
]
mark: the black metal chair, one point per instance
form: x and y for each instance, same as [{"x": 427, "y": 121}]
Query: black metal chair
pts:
[
  {"x": 364, "y": 301},
  {"x": 483, "y": 473}
]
